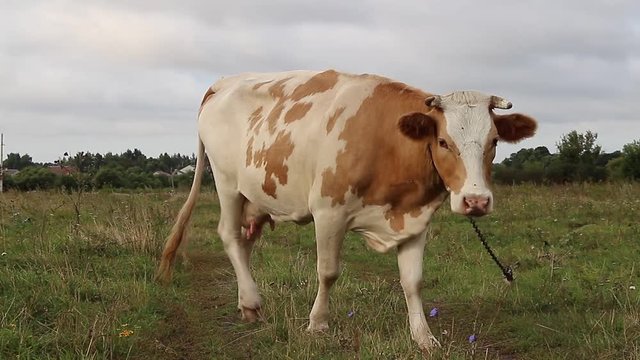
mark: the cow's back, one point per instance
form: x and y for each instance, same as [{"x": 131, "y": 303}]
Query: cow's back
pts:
[{"x": 269, "y": 134}]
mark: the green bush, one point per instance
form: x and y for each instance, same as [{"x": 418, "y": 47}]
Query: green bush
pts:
[
  {"x": 33, "y": 178},
  {"x": 109, "y": 177},
  {"x": 631, "y": 160},
  {"x": 67, "y": 182}
]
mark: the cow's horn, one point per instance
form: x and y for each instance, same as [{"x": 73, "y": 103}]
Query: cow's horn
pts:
[
  {"x": 500, "y": 103},
  {"x": 434, "y": 101}
]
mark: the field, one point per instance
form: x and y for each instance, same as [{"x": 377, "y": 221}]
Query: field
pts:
[{"x": 76, "y": 282}]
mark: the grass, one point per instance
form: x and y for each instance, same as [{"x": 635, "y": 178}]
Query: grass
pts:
[{"x": 79, "y": 283}]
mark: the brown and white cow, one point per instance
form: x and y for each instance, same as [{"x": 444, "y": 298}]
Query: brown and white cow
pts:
[{"x": 348, "y": 152}]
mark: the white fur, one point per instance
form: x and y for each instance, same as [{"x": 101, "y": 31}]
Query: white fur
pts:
[{"x": 469, "y": 124}]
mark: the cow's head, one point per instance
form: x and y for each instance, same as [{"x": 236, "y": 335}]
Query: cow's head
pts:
[{"x": 462, "y": 131}]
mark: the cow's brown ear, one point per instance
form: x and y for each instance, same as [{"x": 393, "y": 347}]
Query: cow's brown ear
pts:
[
  {"x": 514, "y": 127},
  {"x": 417, "y": 125}
]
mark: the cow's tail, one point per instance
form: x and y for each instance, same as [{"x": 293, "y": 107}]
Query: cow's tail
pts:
[{"x": 179, "y": 230}]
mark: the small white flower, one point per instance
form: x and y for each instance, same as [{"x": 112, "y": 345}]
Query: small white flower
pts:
[
  {"x": 4, "y": 253},
  {"x": 632, "y": 287}
]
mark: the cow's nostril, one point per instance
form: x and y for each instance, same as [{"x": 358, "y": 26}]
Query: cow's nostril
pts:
[{"x": 476, "y": 202}]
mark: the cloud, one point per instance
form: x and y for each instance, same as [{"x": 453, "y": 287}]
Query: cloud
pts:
[{"x": 111, "y": 75}]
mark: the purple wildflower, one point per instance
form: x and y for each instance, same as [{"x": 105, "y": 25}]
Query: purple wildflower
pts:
[
  {"x": 351, "y": 313},
  {"x": 434, "y": 312},
  {"x": 472, "y": 339}
]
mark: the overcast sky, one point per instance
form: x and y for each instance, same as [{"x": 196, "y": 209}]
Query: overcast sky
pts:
[{"x": 113, "y": 75}]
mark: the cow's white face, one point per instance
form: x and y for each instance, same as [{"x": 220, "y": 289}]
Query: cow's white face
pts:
[{"x": 463, "y": 132}]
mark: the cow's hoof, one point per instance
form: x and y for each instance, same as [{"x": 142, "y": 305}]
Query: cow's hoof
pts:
[
  {"x": 249, "y": 314},
  {"x": 186, "y": 263},
  {"x": 317, "y": 326},
  {"x": 429, "y": 344}
]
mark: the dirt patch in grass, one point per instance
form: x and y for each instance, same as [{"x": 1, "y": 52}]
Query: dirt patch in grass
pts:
[{"x": 196, "y": 326}]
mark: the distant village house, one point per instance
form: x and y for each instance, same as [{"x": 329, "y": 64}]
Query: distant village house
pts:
[
  {"x": 160, "y": 173},
  {"x": 187, "y": 169},
  {"x": 10, "y": 172},
  {"x": 62, "y": 170}
]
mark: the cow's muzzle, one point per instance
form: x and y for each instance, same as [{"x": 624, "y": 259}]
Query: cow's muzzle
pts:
[{"x": 476, "y": 205}]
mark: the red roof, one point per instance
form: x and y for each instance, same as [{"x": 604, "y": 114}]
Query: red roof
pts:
[{"x": 62, "y": 169}]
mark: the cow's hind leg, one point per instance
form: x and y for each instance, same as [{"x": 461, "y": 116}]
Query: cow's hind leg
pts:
[
  {"x": 238, "y": 249},
  {"x": 410, "y": 266},
  {"x": 329, "y": 237}
]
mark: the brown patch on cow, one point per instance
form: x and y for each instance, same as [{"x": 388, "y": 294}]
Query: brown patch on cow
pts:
[
  {"x": 318, "y": 83},
  {"x": 249, "y": 152},
  {"x": 489, "y": 155},
  {"x": 448, "y": 162},
  {"x": 255, "y": 120},
  {"x": 277, "y": 89},
  {"x": 207, "y": 96},
  {"x": 258, "y": 85},
  {"x": 333, "y": 118},
  {"x": 273, "y": 157},
  {"x": 277, "y": 92},
  {"x": 381, "y": 165},
  {"x": 273, "y": 160},
  {"x": 297, "y": 112},
  {"x": 274, "y": 115}
]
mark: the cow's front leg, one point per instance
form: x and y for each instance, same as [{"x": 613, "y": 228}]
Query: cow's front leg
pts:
[
  {"x": 329, "y": 237},
  {"x": 410, "y": 265}
]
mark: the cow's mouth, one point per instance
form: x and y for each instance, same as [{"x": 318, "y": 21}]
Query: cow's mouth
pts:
[{"x": 475, "y": 211}]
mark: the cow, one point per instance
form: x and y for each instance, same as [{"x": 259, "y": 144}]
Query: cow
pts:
[{"x": 359, "y": 153}]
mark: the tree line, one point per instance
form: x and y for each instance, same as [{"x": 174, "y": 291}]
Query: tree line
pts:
[
  {"x": 128, "y": 170},
  {"x": 579, "y": 158}
]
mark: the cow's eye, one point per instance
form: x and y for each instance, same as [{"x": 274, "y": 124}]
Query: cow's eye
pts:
[
  {"x": 443, "y": 144},
  {"x": 495, "y": 142}
]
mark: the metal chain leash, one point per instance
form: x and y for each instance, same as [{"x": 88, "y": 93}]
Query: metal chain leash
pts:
[{"x": 506, "y": 271}]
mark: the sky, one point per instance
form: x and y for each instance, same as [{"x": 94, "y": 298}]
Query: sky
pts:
[{"x": 111, "y": 75}]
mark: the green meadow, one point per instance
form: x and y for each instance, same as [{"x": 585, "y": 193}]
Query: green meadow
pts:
[{"x": 76, "y": 282}]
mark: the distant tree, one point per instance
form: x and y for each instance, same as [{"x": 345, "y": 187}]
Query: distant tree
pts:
[
  {"x": 136, "y": 178},
  {"x": 183, "y": 180},
  {"x": 614, "y": 169},
  {"x": 604, "y": 157},
  {"x": 133, "y": 158},
  {"x": 503, "y": 174},
  {"x": 67, "y": 182},
  {"x": 526, "y": 165},
  {"x": 152, "y": 165},
  {"x": 631, "y": 160},
  {"x": 81, "y": 161},
  {"x": 164, "y": 163},
  {"x": 578, "y": 153},
  {"x": 558, "y": 171},
  {"x": 15, "y": 161},
  {"x": 533, "y": 171},
  {"x": 98, "y": 162},
  {"x": 9, "y": 183},
  {"x": 577, "y": 147},
  {"x": 110, "y": 177}
]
